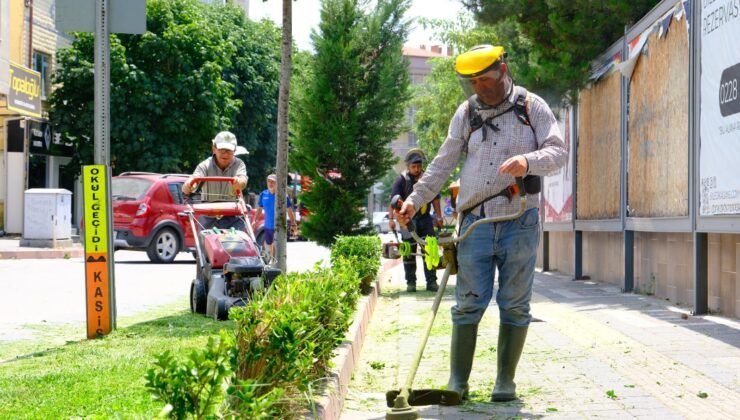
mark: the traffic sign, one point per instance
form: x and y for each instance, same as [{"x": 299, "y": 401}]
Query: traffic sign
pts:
[{"x": 126, "y": 16}]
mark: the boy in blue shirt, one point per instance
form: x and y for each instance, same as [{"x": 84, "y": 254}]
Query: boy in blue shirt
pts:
[{"x": 267, "y": 202}]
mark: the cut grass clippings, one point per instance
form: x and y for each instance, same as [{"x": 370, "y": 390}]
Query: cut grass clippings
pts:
[{"x": 100, "y": 378}]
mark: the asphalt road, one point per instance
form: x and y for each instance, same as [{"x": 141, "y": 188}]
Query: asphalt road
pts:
[{"x": 53, "y": 290}]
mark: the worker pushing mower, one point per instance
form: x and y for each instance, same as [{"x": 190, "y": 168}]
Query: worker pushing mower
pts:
[
  {"x": 505, "y": 133},
  {"x": 231, "y": 267}
]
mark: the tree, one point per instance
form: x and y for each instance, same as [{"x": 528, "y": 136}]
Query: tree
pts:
[
  {"x": 197, "y": 70},
  {"x": 282, "y": 149},
  {"x": 566, "y": 36},
  {"x": 254, "y": 74},
  {"x": 350, "y": 111}
]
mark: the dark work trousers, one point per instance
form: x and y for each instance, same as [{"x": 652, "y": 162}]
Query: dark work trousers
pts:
[{"x": 424, "y": 228}]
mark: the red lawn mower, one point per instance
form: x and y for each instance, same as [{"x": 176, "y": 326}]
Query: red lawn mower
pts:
[{"x": 230, "y": 264}]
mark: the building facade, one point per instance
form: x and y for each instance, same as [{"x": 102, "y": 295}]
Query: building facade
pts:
[
  {"x": 419, "y": 67},
  {"x": 28, "y": 45}
]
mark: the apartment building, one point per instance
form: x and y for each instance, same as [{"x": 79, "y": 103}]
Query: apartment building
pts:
[{"x": 419, "y": 67}]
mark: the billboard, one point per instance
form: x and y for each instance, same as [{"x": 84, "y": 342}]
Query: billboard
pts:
[
  {"x": 719, "y": 165},
  {"x": 558, "y": 186}
]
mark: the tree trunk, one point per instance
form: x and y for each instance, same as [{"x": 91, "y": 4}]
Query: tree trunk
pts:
[{"x": 281, "y": 236}]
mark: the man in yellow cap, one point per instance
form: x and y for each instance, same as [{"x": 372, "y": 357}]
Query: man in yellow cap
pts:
[
  {"x": 403, "y": 186},
  {"x": 504, "y": 132}
]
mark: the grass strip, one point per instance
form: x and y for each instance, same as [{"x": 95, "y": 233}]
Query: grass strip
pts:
[{"x": 99, "y": 378}]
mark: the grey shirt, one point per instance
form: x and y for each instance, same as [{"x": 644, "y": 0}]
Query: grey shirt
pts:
[
  {"x": 479, "y": 177},
  {"x": 215, "y": 191}
]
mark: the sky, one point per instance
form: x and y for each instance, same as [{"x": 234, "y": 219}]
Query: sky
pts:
[{"x": 306, "y": 17}]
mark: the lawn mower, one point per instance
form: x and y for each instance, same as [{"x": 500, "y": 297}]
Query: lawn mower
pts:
[
  {"x": 231, "y": 267},
  {"x": 400, "y": 402}
]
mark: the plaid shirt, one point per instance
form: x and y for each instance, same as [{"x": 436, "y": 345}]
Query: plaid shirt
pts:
[{"x": 479, "y": 177}]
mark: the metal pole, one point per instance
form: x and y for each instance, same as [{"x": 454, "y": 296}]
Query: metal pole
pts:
[
  {"x": 629, "y": 258},
  {"x": 102, "y": 83},
  {"x": 577, "y": 235},
  {"x": 701, "y": 273},
  {"x": 102, "y": 129},
  {"x": 628, "y": 235},
  {"x": 623, "y": 137},
  {"x": 111, "y": 251},
  {"x": 545, "y": 251},
  {"x": 701, "y": 239},
  {"x": 578, "y": 269}
]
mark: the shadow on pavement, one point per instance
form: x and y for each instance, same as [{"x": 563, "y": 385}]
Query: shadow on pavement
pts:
[{"x": 586, "y": 296}]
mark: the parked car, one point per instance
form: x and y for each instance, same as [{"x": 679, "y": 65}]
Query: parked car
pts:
[
  {"x": 380, "y": 221},
  {"x": 148, "y": 215}
]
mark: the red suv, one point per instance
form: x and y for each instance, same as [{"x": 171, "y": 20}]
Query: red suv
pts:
[{"x": 148, "y": 214}]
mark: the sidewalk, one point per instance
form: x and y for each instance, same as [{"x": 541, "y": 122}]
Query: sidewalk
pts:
[
  {"x": 592, "y": 352},
  {"x": 10, "y": 249}
]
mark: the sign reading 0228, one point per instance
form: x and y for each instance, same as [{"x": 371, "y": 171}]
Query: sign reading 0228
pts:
[{"x": 729, "y": 103}]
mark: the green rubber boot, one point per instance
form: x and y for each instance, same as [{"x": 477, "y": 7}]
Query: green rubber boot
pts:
[
  {"x": 462, "y": 349},
  {"x": 510, "y": 344}
]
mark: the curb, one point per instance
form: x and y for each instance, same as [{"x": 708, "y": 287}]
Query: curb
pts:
[{"x": 329, "y": 405}]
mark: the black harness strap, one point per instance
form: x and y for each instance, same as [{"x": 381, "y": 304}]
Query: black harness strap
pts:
[{"x": 532, "y": 183}]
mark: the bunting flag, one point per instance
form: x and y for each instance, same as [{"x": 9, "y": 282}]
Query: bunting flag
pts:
[
  {"x": 607, "y": 67},
  {"x": 638, "y": 45}
]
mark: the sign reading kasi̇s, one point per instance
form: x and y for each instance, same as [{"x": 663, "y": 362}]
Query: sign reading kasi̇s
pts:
[
  {"x": 97, "y": 253},
  {"x": 25, "y": 91}
]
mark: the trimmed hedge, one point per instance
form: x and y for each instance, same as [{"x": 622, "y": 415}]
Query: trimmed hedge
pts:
[
  {"x": 282, "y": 344},
  {"x": 364, "y": 252}
]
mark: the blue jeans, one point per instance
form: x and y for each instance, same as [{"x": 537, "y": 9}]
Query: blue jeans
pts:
[{"x": 510, "y": 247}]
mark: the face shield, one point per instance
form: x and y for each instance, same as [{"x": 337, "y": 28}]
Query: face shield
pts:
[{"x": 487, "y": 85}]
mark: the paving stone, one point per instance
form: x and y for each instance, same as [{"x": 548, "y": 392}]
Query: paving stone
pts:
[{"x": 592, "y": 339}]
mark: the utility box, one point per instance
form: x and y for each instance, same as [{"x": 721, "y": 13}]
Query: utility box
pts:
[{"x": 47, "y": 214}]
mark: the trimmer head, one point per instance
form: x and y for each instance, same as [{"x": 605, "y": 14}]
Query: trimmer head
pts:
[
  {"x": 400, "y": 408},
  {"x": 425, "y": 397}
]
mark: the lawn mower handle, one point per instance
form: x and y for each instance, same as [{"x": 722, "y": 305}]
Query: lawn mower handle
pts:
[
  {"x": 230, "y": 180},
  {"x": 396, "y": 203}
]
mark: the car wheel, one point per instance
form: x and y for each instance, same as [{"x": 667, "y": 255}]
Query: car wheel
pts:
[
  {"x": 164, "y": 246},
  {"x": 378, "y": 229},
  {"x": 198, "y": 297}
]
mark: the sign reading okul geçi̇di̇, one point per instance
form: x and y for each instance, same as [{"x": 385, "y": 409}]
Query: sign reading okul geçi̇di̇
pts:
[
  {"x": 25, "y": 91},
  {"x": 719, "y": 167},
  {"x": 97, "y": 253}
]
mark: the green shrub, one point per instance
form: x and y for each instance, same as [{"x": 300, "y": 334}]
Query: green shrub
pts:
[
  {"x": 284, "y": 341},
  {"x": 247, "y": 403},
  {"x": 286, "y": 338},
  {"x": 364, "y": 251},
  {"x": 194, "y": 386}
]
